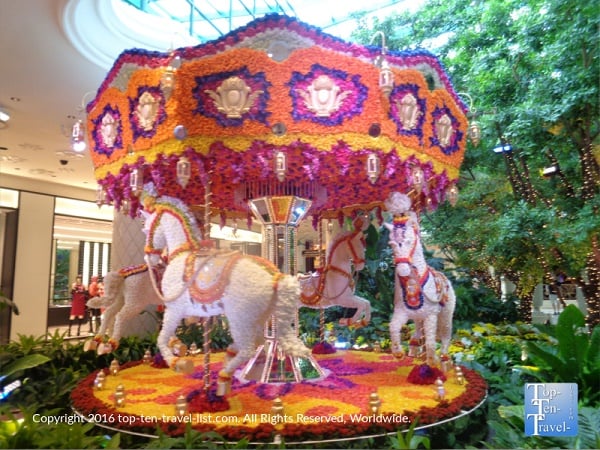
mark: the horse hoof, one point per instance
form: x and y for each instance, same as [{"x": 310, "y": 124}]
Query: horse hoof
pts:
[
  {"x": 103, "y": 349},
  {"x": 90, "y": 345},
  {"x": 185, "y": 366},
  {"x": 399, "y": 355}
]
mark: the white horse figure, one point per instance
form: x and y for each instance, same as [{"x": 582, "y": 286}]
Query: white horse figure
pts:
[
  {"x": 422, "y": 293},
  {"x": 127, "y": 293},
  {"x": 203, "y": 282},
  {"x": 334, "y": 284}
]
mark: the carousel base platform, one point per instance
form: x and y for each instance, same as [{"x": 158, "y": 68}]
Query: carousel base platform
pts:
[{"x": 363, "y": 394}]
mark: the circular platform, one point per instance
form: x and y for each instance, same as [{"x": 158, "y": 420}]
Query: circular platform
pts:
[{"x": 335, "y": 407}]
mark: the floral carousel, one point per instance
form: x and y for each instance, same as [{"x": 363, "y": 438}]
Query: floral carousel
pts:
[{"x": 277, "y": 122}]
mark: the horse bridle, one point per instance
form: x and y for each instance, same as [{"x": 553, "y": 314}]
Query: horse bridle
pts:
[
  {"x": 330, "y": 267},
  {"x": 400, "y": 222}
]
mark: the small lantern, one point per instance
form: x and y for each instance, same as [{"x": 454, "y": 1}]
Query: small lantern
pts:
[
  {"x": 100, "y": 380},
  {"x": 280, "y": 165},
  {"x": 120, "y": 396},
  {"x": 373, "y": 167},
  {"x": 114, "y": 367},
  {"x": 181, "y": 406},
  {"x": 418, "y": 178},
  {"x": 147, "y": 359},
  {"x": 277, "y": 409},
  {"x": 452, "y": 195},
  {"x": 184, "y": 171},
  {"x": 440, "y": 389},
  {"x": 193, "y": 349},
  {"x": 136, "y": 181},
  {"x": 377, "y": 347},
  {"x": 78, "y": 137},
  {"x": 474, "y": 133},
  {"x": 374, "y": 403},
  {"x": 460, "y": 378}
]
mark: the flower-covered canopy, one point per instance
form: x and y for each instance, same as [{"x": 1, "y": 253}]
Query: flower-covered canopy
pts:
[{"x": 277, "y": 108}]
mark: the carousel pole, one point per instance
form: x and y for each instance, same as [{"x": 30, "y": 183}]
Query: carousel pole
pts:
[
  {"x": 207, "y": 322},
  {"x": 321, "y": 309},
  {"x": 280, "y": 209}
]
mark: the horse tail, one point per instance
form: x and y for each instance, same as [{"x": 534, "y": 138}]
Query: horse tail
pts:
[{"x": 287, "y": 292}]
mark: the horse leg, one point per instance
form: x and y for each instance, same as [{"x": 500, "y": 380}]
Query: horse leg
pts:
[
  {"x": 399, "y": 318},
  {"x": 430, "y": 328},
  {"x": 362, "y": 316},
  {"x": 174, "y": 312},
  {"x": 445, "y": 323}
]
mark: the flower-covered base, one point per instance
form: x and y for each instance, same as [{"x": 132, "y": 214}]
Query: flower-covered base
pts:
[{"x": 340, "y": 405}]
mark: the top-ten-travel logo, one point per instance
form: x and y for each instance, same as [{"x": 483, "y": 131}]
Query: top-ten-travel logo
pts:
[{"x": 551, "y": 409}]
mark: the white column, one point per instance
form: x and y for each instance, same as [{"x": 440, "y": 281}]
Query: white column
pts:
[{"x": 32, "y": 264}]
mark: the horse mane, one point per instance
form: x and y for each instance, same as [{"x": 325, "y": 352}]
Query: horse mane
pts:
[
  {"x": 180, "y": 208},
  {"x": 336, "y": 241}
]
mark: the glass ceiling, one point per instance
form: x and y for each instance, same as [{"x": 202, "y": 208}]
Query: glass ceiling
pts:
[{"x": 209, "y": 19}]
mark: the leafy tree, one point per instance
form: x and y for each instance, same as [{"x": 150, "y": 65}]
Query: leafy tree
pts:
[{"x": 531, "y": 71}]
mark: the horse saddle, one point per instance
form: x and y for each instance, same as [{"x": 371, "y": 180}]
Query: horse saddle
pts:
[
  {"x": 311, "y": 285},
  {"x": 213, "y": 273}
]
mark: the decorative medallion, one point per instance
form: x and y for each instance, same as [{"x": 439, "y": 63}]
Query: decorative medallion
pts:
[
  {"x": 409, "y": 111},
  {"x": 233, "y": 97},
  {"x": 444, "y": 130},
  {"x": 323, "y": 96},
  {"x": 106, "y": 131},
  {"x": 146, "y": 111},
  {"x": 326, "y": 96}
]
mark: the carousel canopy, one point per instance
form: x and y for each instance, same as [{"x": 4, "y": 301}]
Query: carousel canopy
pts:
[{"x": 277, "y": 107}]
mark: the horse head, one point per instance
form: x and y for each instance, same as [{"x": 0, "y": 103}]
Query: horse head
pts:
[{"x": 404, "y": 240}]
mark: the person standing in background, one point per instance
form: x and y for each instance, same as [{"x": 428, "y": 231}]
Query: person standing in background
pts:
[
  {"x": 79, "y": 296},
  {"x": 94, "y": 313}
]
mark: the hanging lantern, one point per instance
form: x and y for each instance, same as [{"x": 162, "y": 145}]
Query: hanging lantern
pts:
[
  {"x": 167, "y": 81},
  {"x": 100, "y": 196},
  {"x": 474, "y": 133},
  {"x": 78, "y": 137},
  {"x": 184, "y": 171},
  {"x": 452, "y": 195},
  {"x": 373, "y": 167},
  {"x": 386, "y": 78},
  {"x": 136, "y": 181},
  {"x": 280, "y": 165},
  {"x": 418, "y": 178}
]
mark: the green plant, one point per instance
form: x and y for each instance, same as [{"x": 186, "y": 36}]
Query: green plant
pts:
[
  {"x": 576, "y": 358},
  {"x": 508, "y": 431},
  {"x": 193, "y": 439},
  {"x": 408, "y": 439}
]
